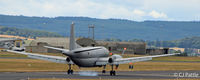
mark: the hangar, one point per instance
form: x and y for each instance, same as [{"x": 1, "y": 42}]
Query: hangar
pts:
[
  {"x": 36, "y": 46},
  {"x": 118, "y": 47},
  {"x": 8, "y": 43}
]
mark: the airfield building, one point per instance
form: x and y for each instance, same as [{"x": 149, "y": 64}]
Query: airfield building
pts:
[
  {"x": 118, "y": 47},
  {"x": 157, "y": 51},
  {"x": 8, "y": 43},
  {"x": 36, "y": 45}
]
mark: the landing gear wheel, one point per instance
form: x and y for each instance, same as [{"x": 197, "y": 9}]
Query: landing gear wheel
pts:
[
  {"x": 112, "y": 73},
  {"x": 130, "y": 66},
  {"x": 103, "y": 71},
  {"x": 70, "y": 71}
]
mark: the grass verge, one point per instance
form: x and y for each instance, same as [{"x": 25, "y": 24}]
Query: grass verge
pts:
[
  {"x": 177, "y": 58},
  {"x": 26, "y": 65}
]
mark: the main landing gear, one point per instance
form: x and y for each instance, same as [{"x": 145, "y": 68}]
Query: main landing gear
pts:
[
  {"x": 70, "y": 71},
  {"x": 112, "y": 72}
]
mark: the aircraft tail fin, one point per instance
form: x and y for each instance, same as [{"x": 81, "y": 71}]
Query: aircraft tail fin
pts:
[{"x": 72, "y": 44}]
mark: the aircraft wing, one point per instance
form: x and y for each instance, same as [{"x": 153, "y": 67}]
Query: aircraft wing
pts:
[
  {"x": 56, "y": 59},
  {"x": 59, "y": 49},
  {"x": 104, "y": 61}
]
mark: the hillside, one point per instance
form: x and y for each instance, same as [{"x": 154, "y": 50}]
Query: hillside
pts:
[
  {"x": 26, "y": 32},
  {"x": 107, "y": 28}
]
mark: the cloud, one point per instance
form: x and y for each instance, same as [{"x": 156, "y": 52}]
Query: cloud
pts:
[
  {"x": 139, "y": 12},
  {"x": 123, "y": 9},
  {"x": 156, "y": 14}
]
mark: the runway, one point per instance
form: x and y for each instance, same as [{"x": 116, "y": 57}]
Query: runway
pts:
[{"x": 120, "y": 75}]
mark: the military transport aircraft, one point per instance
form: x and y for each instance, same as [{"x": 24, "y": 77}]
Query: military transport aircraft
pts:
[{"x": 88, "y": 56}]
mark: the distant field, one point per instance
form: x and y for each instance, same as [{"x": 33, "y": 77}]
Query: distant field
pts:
[
  {"x": 177, "y": 58},
  {"x": 8, "y": 54},
  {"x": 18, "y": 65},
  {"x": 168, "y": 58}
]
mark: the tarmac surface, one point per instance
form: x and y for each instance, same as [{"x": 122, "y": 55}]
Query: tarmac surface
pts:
[{"x": 98, "y": 75}]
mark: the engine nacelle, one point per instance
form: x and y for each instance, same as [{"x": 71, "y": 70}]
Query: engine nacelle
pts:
[
  {"x": 68, "y": 59},
  {"x": 113, "y": 57},
  {"x": 110, "y": 60}
]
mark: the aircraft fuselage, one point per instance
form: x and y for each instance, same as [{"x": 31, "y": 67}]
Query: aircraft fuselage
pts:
[{"x": 87, "y": 57}]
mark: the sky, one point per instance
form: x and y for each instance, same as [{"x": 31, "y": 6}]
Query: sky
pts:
[{"x": 137, "y": 10}]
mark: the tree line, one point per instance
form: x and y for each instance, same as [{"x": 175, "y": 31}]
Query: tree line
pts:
[{"x": 26, "y": 32}]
